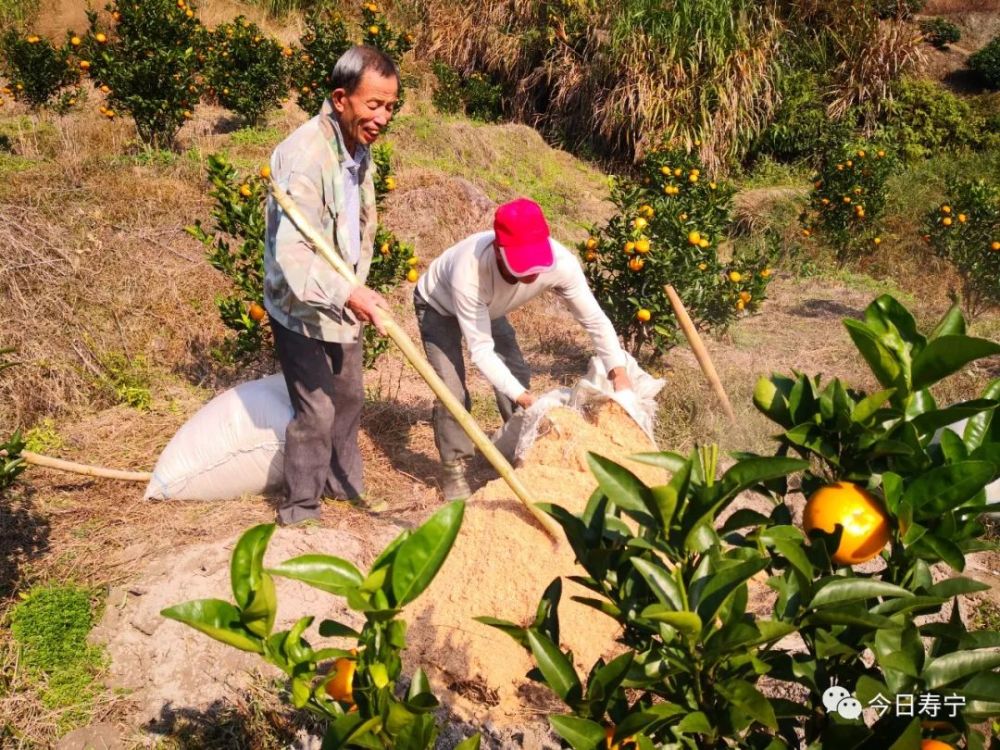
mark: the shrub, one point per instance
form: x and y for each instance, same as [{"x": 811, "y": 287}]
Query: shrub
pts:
[
  {"x": 354, "y": 690},
  {"x": 11, "y": 463},
  {"x": 965, "y": 229},
  {"x": 447, "y": 95},
  {"x": 246, "y": 70},
  {"x": 986, "y": 63},
  {"x": 848, "y": 197},
  {"x": 476, "y": 95},
  {"x": 923, "y": 117},
  {"x": 701, "y": 669},
  {"x": 800, "y": 123},
  {"x": 667, "y": 230},
  {"x": 235, "y": 244},
  {"x": 37, "y": 71},
  {"x": 939, "y": 32},
  {"x": 147, "y": 63}
]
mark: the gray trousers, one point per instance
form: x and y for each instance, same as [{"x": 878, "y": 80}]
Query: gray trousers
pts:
[
  {"x": 325, "y": 383},
  {"x": 442, "y": 339}
]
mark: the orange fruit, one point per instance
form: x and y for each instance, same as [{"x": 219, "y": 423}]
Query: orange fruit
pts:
[
  {"x": 245, "y": 190},
  {"x": 287, "y": 52},
  {"x": 847, "y": 199},
  {"x": 265, "y": 172},
  {"x": 745, "y": 297},
  {"x": 995, "y": 246},
  {"x": 861, "y": 154},
  {"x": 639, "y": 223},
  {"x": 76, "y": 41},
  {"x": 946, "y": 209},
  {"x": 647, "y": 211},
  {"x": 702, "y": 266},
  {"x": 412, "y": 261},
  {"x": 591, "y": 256},
  {"x": 412, "y": 275},
  {"x": 33, "y": 39},
  {"x": 629, "y": 248},
  {"x": 935, "y": 745},
  {"x": 704, "y": 243},
  {"x": 384, "y": 248},
  {"x": 711, "y": 186},
  {"x": 256, "y": 312},
  {"x": 678, "y": 172},
  {"x": 106, "y": 89},
  {"x": 373, "y": 30},
  {"x": 880, "y": 154},
  {"x": 642, "y": 246},
  {"x": 341, "y": 687},
  {"x": 858, "y": 512},
  {"x": 766, "y": 272},
  {"x": 666, "y": 171},
  {"x": 961, "y": 218},
  {"x": 694, "y": 238},
  {"x": 636, "y": 264},
  {"x": 390, "y": 183},
  {"x": 591, "y": 243},
  {"x": 946, "y": 221},
  {"x": 735, "y": 276},
  {"x": 643, "y": 315},
  {"x": 84, "y": 65},
  {"x": 877, "y": 241},
  {"x": 693, "y": 177},
  {"x": 740, "y": 304},
  {"x": 100, "y": 37}
]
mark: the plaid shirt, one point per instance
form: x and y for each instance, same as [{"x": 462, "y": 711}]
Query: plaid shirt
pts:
[{"x": 302, "y": 292}]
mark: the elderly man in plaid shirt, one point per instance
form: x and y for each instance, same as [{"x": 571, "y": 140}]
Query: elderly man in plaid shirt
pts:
[{"x": 316, "y": 315}]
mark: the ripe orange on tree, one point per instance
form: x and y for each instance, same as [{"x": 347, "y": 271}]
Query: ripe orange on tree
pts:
[
  {"x": 256, "y": 312},
  {"x": 341, "y": 687},
  {"x": 643, "y": 315},
  {"x": 864, "y": 524},
  {"x": 935, "y": 745}
]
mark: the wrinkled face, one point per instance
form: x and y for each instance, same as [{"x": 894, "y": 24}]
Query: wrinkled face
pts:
[{"x": 364, "y": 113}]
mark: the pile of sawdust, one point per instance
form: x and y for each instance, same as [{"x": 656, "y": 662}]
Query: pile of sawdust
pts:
[{"x": 502, "y": 562}]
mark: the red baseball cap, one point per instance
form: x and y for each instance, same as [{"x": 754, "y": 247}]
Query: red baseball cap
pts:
[{"x": 522, "y": 236}]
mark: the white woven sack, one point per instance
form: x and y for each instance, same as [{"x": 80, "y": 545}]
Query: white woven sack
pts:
[{"x": 233, "y": 446}]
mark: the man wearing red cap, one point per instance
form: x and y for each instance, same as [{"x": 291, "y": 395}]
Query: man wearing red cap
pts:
[{"x": 468, "y": 291}]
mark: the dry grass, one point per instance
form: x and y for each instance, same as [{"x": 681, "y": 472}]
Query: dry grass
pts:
[{"x": 946, "y": 7}]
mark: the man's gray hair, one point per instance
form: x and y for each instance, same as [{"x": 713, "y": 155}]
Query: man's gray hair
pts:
[{"x": 351, "y": 66}]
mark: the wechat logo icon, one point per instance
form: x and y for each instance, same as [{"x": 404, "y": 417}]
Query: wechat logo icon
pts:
[{"x": 838, "y": 700}]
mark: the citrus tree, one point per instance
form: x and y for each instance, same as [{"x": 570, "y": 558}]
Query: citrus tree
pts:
[
  {"x": 965, "y": 229},
  {"x": 667, "y": 230},
  {"x": 144, "y": 56},
  {"x": 354, "y": 689},
  {"x": 245, "y": 69},
  {"x": 676, "y": 567},
  {"x": 39, "y": 73},
  {"x": 848, "y": 197},
  {"x": 235, "y": 243},
  {"x": 327, "y": 37}
]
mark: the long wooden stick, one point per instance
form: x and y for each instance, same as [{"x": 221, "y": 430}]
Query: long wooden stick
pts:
[
  {"x": 91, "y": 471},
  {"x": 700, "y": 352},
  {"x": 416, "y": 358}
]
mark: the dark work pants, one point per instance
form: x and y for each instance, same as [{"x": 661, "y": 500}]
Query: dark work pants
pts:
[
  {"x": 326, "y": 387},
  {"x": 442, "y": 339}
]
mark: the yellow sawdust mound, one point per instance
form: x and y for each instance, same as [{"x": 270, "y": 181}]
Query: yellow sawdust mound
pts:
[{"x": 502, "y": 562}]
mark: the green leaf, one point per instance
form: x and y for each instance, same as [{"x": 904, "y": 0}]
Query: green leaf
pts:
[
  {"x": 581, "y": 734},
  {"x": 882, "y": 362},
  {"x": 949, "y": 354},
  {"x": 518, "y": 632},
  {"x": 664, "y": 586},
  {"x": 977, "y": 429},
  {"x": 932, "y": 420},
  {"x": 622, "y": 487},
  {"x": 887, "y": 316},
  {"x": 708, "y": 595},
  {"x": 605, "y": 681},
  {"x": 934, "y": 547},
  {"x": 946, "y": 487},
  {"x": 217, "y": 619},
  {"x": 867, "y": 407},
  {"x": 387, "y": 556},
  {"x": 843, "y": 590},
  {"x": 687, "y": 623},
  {"x": 334, "y": 629},
  {"x": 749, "y": 700},
  {"x": 555, "y": 667},
  {"x": 246, "y": 564},
  {"x": 750, "y": 472},
  {"x": 672, "y": 462},
  {"x": 950, "y": 668},
  {"x": 772, "y": 400},
  {"x": 951, "y": 324},
  {"x": 470, "y": 743},
  {"x": 957, "y": 586},
  {"x": 258, "y": 616},
  {"x": 324, "y": 572},
  {"x": 856, "y": 616},
  {"x": 421, "y": 556}
]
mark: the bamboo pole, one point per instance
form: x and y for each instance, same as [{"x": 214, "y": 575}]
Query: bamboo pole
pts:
[
  {"x": 91, "y": 471},
  {"x": 700, "y": 352},
  {"x": 416, "y": 358}
]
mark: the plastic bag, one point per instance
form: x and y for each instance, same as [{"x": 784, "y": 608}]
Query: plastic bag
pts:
[
  {"x": 516, "y": 437},
  {"x": 233, "y": 446}
]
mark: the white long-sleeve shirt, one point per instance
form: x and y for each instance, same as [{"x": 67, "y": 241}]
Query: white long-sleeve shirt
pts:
[{"x": 465, "y": 282}]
